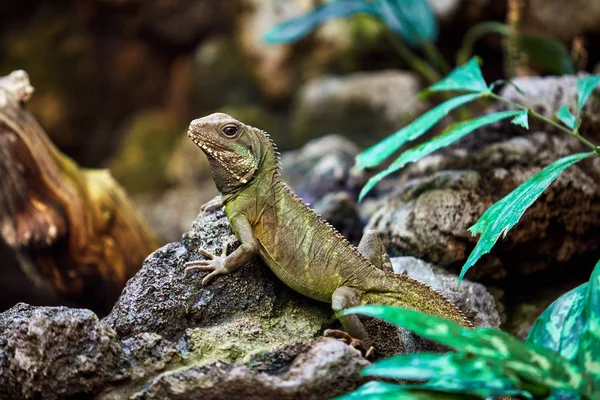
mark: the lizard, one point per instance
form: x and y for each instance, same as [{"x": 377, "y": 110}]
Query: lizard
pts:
[{"x": 302, "y": 249}]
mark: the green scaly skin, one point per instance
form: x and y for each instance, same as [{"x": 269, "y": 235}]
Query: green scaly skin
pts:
[{"x": 304, "y": 251}]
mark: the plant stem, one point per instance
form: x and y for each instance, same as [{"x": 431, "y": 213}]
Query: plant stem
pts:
[
  {"x": 416, "y": 63},
  {"x": 555, "y": 124},
  {"x": 435, "y": 56}
]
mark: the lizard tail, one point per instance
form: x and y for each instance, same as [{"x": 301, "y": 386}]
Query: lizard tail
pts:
[{"x": 406, "y": 292}]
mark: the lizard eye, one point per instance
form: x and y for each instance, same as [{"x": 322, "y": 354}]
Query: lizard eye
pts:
[{"x": 230, "y": 131}]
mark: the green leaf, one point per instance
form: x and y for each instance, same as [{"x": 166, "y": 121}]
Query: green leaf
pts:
[
  {"x": 505, "y": 214},
  {"x": 296, "y": 28},
  {"x": 560, "y": 325},
  {"x": 374, "y": 390},
  {"x": 537, "y": 365},
  {"x": 534, "y": 363},
  {"x": 588, "y": 354},
  {"x": 413, "y": 20},
  {"x": 548, "y": 53},
  {"x": 390, "y": 391},
  {"x": 474, "y": 34},
  {"x": 449, "y": 136},
  {"x": 467, "y": 77},
  {"x": 374, "y": 155},
  {"x": 451, "y": 372},
  {"x": 565, "y": 116},
  {"x": 521, "y": 119},
  {"x": 585, "y": 87}
]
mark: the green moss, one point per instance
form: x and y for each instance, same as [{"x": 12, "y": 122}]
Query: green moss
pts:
[
  {"x": 148, "y": 142},
  {"x": 241, "y": 339}
]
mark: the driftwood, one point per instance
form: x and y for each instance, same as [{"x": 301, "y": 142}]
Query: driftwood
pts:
[{"x": 72, "y": 229}]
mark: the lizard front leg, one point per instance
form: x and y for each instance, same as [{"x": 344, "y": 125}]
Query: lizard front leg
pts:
[{"x": 223, "y": 265}]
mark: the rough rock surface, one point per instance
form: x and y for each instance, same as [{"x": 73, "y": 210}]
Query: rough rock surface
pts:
[
  {"x": 232, "y": 337},
  {"x": 56, "y": 353},
  {"x": 320, "y": 167},
  {"x": 245, "y": 335},
  {"x": 363, "y": 106},
  {"x": 560, "y": 19},
  {"x": 326, "y": 368},
  {"x": 439, "y": 197}
]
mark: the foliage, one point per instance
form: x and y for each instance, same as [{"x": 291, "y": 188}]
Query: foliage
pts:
[
  {"x": 413, "y": 20},
  {"x": 505, "y": 214},
  {"x": 544, "y": 51},
  {"x": 559, "y": 360}
]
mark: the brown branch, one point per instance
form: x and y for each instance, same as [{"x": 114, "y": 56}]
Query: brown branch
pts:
[{"x": 76, "y": 226}]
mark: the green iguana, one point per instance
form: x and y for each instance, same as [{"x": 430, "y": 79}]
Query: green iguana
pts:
[{"x": 303, "y": 250}]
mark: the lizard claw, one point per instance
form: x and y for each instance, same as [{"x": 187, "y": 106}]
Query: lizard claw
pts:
[{"x": 365, "y": 350}]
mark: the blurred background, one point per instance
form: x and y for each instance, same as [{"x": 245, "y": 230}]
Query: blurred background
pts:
[{"x": 118, "y": 81}]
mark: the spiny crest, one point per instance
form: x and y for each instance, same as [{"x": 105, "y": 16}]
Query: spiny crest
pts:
[
  {"x": 273, "y": 146},
  {"x": 300, "y": 201},
  {"x": 327, "y": 224},
  {"x": 442, "y": 296}
]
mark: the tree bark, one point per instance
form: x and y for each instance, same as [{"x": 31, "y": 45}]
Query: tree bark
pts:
[{"x": 72, "y": 229}]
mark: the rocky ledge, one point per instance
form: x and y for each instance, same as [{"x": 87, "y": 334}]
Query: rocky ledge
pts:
[{"x": 245, "y": 335}]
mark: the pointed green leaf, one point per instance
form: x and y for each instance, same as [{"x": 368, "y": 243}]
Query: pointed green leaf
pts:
[
  {"x": 467, "y": 77},
  {"x": 534, "y": 363},
  {"x": 560, "y": 325},
  {"x": 478, "y": 386},
  {"x": 537, "y": 365},
  {"x": 548, "y": 53},
  {"x": 390, "y": 391},
  {"x": 565, "y": 116},
  {"x": 585, "y": 87},
  {"x": 505, "y": 214},
  {"x": 449, "y": 136},
  {"x": 296, "y": 28},
  {"x": 451, "y": 372},
  {"x": 440, "y": 330},
  {"x": 521, "y": 119},
  {"x": 374, "y": 390},
  {"x": 374, "y": 155},
  {"x": 413, "y": 20},
  {"x": 588, "y": 354}
]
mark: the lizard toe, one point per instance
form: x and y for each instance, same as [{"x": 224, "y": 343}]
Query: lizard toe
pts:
[
  {"x": 206, "y": 253},
  {"x": 364, "y": 349}
]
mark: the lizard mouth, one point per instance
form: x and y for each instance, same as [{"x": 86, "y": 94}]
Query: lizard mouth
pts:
[{"x": 198, "y": 143}]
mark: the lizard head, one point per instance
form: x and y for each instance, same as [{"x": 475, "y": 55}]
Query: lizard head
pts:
[{"x": 235, "y": 151}]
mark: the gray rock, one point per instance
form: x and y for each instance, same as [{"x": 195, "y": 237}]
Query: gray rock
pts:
[
  {"x": 56, "y": 352},
  {"x": 560, "y": 19},
  {"x": 546, "y": 95},
  {"x": 325, "y": 369},
  {"x": 245, "y": 335},
  {"x": 149, "y": 353},
  {"x": 363, "y": 106},
  {"x": 233, "y": 317},
  {"x": 320, "y": 167}
]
